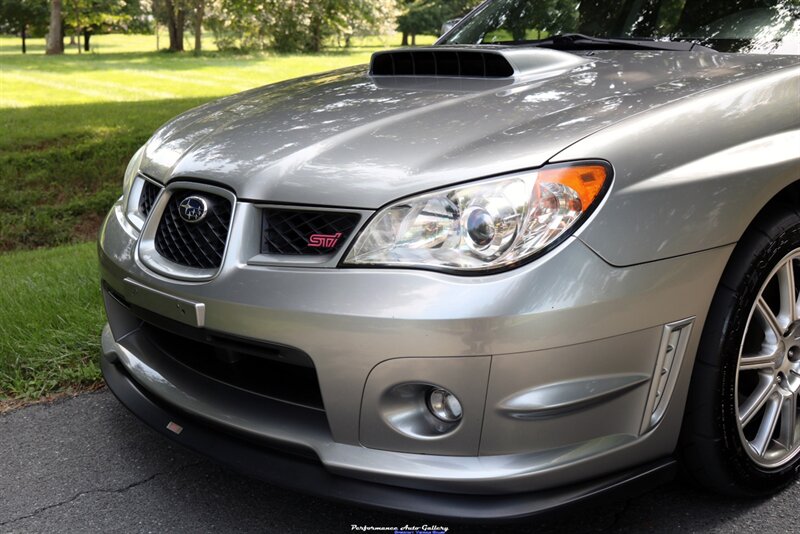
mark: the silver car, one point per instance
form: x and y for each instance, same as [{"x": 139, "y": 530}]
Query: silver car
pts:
[{"x": 542, "y": 260}]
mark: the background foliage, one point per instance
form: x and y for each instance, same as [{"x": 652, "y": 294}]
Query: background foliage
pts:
[{"x": 242, "y": 25}]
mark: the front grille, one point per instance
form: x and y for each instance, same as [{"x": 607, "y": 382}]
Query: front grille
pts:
[
  {"x": 305, "y": 232},
  {"x": 245, "y": 365},
  {"x": 148, "y": 197},
  {"x": 198, "y": 244}
]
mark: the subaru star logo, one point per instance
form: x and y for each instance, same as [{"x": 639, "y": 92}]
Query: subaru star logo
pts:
[{"x": 193, "y": 209}]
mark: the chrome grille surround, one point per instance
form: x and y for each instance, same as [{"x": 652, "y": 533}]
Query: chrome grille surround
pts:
[
  {"x": 141, "y": 199},
  {"x": 198, "y": 244},
  {"x": 156, "y": 244}
]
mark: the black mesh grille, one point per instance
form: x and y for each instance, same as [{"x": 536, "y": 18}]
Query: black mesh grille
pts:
[
  {"x": 194, "y": 244},
  {"x": 148, "y": 197},
  {"x": 305, "y": 232},
  {"x": 251, "y": 367}
]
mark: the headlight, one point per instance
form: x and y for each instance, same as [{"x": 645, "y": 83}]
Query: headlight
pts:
[
  {"x": 131, "y": 189},
  {"x": 486, "y": 225},
  {"x": 130, "y": 174}
]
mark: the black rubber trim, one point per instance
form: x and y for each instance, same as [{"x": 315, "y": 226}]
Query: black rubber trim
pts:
[
  {"x": 309, "y": 476},
  {"x": 223, "y": 340}
]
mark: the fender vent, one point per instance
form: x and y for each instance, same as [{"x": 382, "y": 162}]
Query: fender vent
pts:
[
  {"x": 674, "y": 339},
  {"x": 454, "y": 63}
]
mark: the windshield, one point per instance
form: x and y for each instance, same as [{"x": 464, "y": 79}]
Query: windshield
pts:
[{"x": 753, "y": 26}]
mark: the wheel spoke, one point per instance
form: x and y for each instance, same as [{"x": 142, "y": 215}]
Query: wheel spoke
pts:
[
  {"x": 788, "y": 432},
  {"x": 786, "y": 283},
  {"x": 765, "y": 360},
  {"x": 796, "y": 289},
  {"x": 767, "y": 383},
  {"x": 772, "y": 413},
  {"x": 754, "y": 403},
  {"x": 773, "y": 328}
]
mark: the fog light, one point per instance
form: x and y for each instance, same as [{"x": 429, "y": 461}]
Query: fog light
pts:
[{"x": 444, "y": 405}]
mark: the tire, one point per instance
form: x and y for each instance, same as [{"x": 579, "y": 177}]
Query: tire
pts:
[{"x": 739, "y": 420}]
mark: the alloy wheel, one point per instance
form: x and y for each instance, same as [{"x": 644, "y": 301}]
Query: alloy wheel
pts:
[{"x": 768, "y": 370}]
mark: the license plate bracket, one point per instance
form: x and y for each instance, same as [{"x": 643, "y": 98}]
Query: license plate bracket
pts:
[{"x": 176, "y": 308}]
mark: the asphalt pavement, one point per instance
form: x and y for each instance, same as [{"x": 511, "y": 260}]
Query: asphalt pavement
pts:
[{"x": 86, "y": 465}]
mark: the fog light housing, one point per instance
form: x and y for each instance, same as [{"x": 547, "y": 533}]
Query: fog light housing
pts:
[
  {"x": 421, "y": 410},
  {"x": 444, "y": 405}
]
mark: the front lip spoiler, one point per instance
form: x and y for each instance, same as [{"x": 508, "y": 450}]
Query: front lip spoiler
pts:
[{"x": 308, "y": 476}]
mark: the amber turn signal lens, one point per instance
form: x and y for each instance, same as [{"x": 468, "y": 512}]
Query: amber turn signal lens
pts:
[{"x": 586, "y": 180}]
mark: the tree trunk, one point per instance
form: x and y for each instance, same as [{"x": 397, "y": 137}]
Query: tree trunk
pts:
[
  {"x": 176, "y": 20},
  {"x": 198, "y": 26},
  {"x": 55, "y": 39},
  {"x": 315, "y": 45},
  {"x": 414, "y": 39},
  {"x": 24, "y": 36},
  {"x": 405, "y": 39},
  {"x": 87, "y": 34}
]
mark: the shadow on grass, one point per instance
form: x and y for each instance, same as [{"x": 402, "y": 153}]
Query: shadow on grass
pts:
[
  {"x": 161, "y": 61},
  {"x": 61, "y": 167}
]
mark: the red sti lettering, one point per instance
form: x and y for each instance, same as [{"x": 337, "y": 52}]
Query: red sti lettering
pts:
[{"x": 324, "y": 240}]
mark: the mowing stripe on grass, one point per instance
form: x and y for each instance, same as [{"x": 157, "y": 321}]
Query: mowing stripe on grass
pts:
[
  {"x": 129, "y": 90},
  {"x": 201, "y": 79},
  {"x": 62, "y": 86},
  {"x": 125, "y": 91}
]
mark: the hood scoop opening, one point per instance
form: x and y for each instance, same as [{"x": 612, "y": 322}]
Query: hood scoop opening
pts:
[{"x": 441, "y": 62}]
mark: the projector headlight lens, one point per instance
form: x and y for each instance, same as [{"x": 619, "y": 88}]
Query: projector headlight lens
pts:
[{"x": 485, "y": 225}]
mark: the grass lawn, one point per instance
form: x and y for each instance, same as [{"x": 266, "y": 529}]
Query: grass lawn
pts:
[
  {"x": 50, "y": 321},
  {"x": 68, "y": 126}
]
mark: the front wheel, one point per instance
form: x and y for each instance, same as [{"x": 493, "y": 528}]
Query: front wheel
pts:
[{"x": 741, "y": 430}]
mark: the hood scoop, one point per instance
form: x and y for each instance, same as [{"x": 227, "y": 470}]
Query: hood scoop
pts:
[
  {"x": 441, "y": 62},
  {"x": 470, "y": 62}
]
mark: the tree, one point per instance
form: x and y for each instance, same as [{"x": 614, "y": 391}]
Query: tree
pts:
[
  {"x": 551, "y": 16},
  {"x": 176, "y": 23},
  {"x": 199, "y": 12},
  {"x": 427, "y": 16},
  {"x": 176, "y": 15},
  {"x": 332, "y": 17},
  {"x": 55, "y": 37},
  {"x": 88, "y": 17},
  {"x": 290, "y": 25},
  {"x": 23, "y": 17},
  {"x": 380, "y": 19}
]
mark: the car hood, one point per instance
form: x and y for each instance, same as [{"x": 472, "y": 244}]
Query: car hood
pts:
[{"x": 347, "y": 138}]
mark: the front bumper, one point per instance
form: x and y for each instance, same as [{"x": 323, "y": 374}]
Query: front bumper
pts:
[
  {"x": 302, "y": 474},
  {"x": 549, "y": 333}
]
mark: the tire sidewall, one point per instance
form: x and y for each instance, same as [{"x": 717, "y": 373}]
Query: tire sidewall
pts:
[{"x": 749, "y": 476}]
